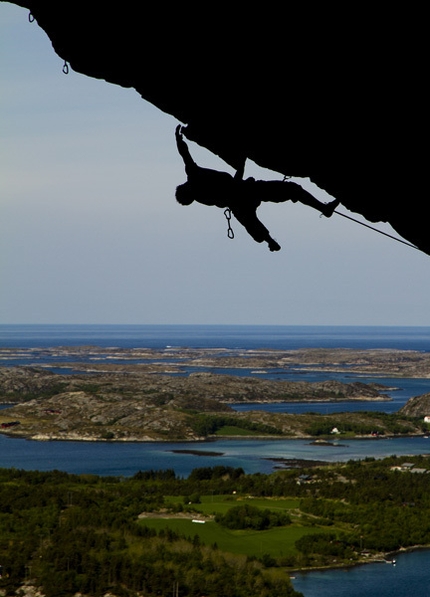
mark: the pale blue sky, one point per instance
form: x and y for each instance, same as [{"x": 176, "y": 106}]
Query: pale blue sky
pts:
[{"x": 90, "y": 231}]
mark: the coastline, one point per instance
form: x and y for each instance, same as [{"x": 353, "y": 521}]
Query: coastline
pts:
[
  {"x": 380, "y": 558},
  {"x": 315, "y": 440}
]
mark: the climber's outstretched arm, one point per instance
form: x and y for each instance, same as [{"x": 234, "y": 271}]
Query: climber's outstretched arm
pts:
[{"x": 183, "y": 150}]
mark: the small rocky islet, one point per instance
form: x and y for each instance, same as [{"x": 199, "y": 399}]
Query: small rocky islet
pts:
[{"x": 91, "y": 393}]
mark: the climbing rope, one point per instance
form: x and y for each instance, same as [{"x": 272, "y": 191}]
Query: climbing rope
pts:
[
  {"x": 399, "y": 240},
  {"x": 65, "y": 68},
  {"x": 227, "y": 213}
]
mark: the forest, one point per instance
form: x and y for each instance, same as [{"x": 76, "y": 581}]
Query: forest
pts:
[{"x": 135, "y": 536}]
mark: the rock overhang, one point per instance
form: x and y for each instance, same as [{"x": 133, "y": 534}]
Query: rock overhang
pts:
[{"x": 300, "y": 92}]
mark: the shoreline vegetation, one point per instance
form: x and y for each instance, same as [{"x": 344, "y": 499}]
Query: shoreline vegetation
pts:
[
  {"x": 138, "y": 536},
  {"x": 143, "y": 395}
]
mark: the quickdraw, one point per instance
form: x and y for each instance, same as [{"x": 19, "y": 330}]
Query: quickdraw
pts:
[{"x": 227, "y": 213}]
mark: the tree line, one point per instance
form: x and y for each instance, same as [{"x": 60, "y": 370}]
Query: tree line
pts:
[{"x": 81, "y": 533}]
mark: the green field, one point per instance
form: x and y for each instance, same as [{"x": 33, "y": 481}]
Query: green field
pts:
[{"x": 277, "y": 542}]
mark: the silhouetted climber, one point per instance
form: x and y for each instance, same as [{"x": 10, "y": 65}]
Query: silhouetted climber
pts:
[{"x": 243, "y": 197}]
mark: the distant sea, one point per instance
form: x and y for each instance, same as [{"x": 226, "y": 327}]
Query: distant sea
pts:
[
  {"x": 410, "y": 576},
  {"x": 216, "y": 336}
]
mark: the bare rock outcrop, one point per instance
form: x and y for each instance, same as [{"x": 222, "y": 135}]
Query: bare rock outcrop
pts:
[
  {"x": 418, "y": 406},
  {"x": 17, "y": 381}
]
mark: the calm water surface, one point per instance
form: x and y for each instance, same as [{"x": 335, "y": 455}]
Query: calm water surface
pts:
[
  {"x": 115, "y": 458},
  {"x": 215, "y": 336},
  {"x": 410, "y": 577}
]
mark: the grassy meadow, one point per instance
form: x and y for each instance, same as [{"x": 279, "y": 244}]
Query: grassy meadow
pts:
[{"x": 277, "y": 541}]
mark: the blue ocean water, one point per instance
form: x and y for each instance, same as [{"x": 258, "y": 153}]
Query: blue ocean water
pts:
[
  {"x": 254, "y": 456},
  {"x": 217, "y": 336},
  {"x": 409, "y": 577}
]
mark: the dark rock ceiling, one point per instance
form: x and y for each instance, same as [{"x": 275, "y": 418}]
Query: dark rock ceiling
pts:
[{"x": 338, "y": 98}]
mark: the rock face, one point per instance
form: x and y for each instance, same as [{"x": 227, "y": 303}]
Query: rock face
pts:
[
  {"x": 338, "y": 97},
  {"x": 20, "y": 381},
  {"x": 418, "y": 406}
]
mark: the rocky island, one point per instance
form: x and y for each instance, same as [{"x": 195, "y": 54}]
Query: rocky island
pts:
[{"x": 91, "y": 393}]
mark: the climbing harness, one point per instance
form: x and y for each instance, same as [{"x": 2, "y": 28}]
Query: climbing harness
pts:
[
  {"x": 399, "y": 240},
  {"x": 227, "y": 213}
]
